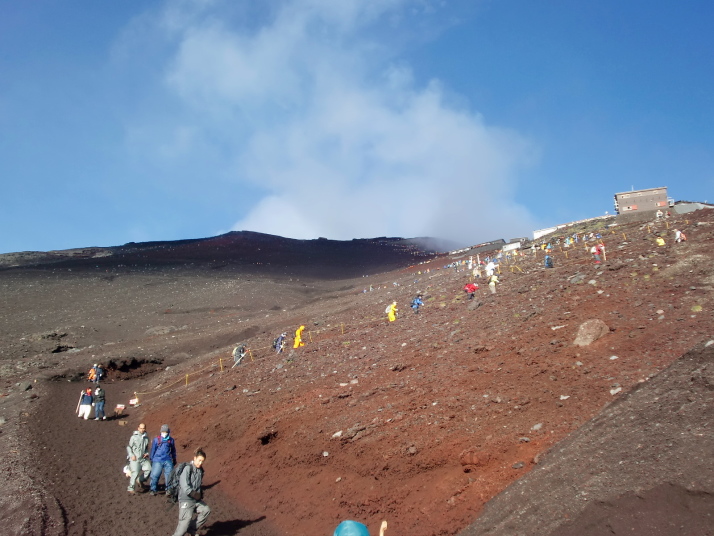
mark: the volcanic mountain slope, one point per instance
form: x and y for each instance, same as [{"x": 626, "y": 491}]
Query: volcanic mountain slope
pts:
[
  {"x": 420, "y": 421},
  {"x": 240, "y": 252}
]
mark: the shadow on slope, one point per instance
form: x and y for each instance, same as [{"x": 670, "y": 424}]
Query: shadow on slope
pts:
[{"x": 642, "y": 467}]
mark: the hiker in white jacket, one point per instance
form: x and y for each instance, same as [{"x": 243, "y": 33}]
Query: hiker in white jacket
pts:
[{"x": 138, "y": 453}]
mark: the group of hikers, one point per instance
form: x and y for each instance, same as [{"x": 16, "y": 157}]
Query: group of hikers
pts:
[
  {"x": 182, "y": 482},
  {"x": 93, "y": 398}
]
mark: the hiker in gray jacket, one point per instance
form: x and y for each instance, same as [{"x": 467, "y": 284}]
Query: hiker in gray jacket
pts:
[
  {"x": 189, "y": 496},
  {"x": 138, "y": 453}
]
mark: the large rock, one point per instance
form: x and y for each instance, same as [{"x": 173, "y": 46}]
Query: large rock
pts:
[{"x": 590, "y": 331}]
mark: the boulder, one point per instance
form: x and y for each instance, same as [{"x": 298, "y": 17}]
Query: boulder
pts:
[{"x": 590, "y": 331}]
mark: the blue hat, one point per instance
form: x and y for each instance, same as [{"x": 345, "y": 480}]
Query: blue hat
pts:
[{"x": 351, "y": 528}]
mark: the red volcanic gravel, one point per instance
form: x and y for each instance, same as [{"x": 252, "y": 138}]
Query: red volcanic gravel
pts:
[{"x": 421, "y": 422}]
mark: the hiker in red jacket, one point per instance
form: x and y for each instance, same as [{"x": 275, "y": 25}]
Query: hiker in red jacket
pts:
[{"x": 470, "y": 289}]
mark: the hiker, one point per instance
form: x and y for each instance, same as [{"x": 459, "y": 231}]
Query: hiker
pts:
[
  {"x": 492, "y": 280},
  {"x": 238, "y": 354},
  {"x": 279, "y": 343},
  {"x": 163, "y": 457},
  {"x": 85, "y": 403},
  {"x": 138, "y": 453},
  {"x": 99, "y": 399},
  {"x": 355, "y": 528},
  {"x": 416, "y": 303},
  {"x": 470, "y": 289},
  {"x": 490, "y": 267},
  {"x": 548, "y": 261},
  {"x": 596, "y": 252},
  {"x": 659, "y": 214},
  {"x": 190, "y": 495},
  {"x": 660, "y": 241},
  {"x": 298, "y": 337},
  {"x": 392, "y": 311},
  {"x": 92, "y": 374},
  {"x": 679, "y": 236},
  {"x": 99, "y": 373}
]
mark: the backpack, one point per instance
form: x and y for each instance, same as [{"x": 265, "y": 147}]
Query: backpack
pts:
[
  {"x": 389, "y": 307},
  {"x": 172, "y": 485}
]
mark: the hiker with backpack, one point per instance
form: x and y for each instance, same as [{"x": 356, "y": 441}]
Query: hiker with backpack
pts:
[
  {"x": 163, "y": 457},
  {"x": 185, "y": 488},
  {"x": 138, "y": 454},
  {"x": 391, "y": 311},
  {"x": 98, "y": 373},
  {"x": 416, "y": 303},
  {"x": 279, "y": 343},
  {"x": 238, "y": 354}
]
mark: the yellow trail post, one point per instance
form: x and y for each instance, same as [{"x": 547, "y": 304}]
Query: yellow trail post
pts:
[
  {"x": 309, "y": 334},
  {"x": 250, "y": 354},
  {"x": 624, "y": 236},
  {"x": 186, "y": 379},
  {"x": 342, "y": 327},
  {"x": 220, "y": 362},
  {"x": 566, "y": 254},
  {"x": 667, "y": 224}
]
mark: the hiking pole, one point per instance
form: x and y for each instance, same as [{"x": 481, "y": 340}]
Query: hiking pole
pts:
[{"x": 79, "y": 402}]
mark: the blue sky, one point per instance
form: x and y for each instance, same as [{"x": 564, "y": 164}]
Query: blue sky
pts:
[{"x": 469, "y": 120}]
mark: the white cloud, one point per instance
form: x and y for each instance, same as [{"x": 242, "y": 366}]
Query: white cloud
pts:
[{"x": 334, "y": 129}]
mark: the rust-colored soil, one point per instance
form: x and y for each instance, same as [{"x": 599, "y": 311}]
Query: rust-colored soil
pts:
[{"x": 420, "y": 421}]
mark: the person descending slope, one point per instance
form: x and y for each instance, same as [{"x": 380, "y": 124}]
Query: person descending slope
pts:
[
  {"x": 391, "y": 311},
  {"x": 416, "y": 303},
  {"x": 470, "y": 289},
  {"x": 138, "y": 454},
  {"x": 238, "y": 354},
  {"x": 190, "y": 496},
  {"x": 279, "y": 343},
  {"x": 85, "y": 403},
  {"x": 298, "y": 337},
  {"x": 163, "y": 457}
]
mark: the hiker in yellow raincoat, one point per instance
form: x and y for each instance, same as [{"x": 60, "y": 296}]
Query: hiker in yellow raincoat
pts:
[
  {"x": 298, "y": 337},
  {"x": 392, "y": 313}
]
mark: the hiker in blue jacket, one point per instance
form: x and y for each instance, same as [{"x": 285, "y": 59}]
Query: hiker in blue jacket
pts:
[
  {"x": 416, "y": 303},
  {"x": 163, "y": 457}
]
